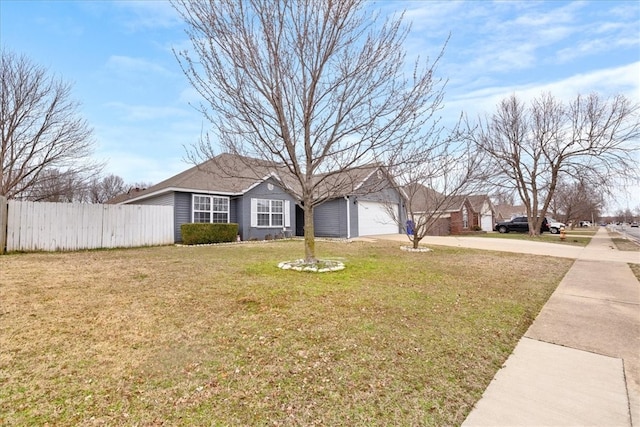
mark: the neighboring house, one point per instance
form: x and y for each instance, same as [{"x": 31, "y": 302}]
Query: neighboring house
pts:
[
  {"x": 466, "y": 214},
  {"x": 482, "y": 207},
  {"x": 255, "y": 198},
  {"x": 456, "y": 215},
  {"x": 506, "y": 212}
]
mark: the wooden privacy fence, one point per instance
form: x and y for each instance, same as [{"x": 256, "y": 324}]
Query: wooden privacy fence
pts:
[{"x": 40, "y": 226}]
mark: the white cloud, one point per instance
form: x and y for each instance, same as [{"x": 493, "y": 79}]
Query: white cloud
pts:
[
  {"x": 148, "y": 14},
  {"x": 127, "y": 64},
  {"x": 548, "y": 17},
  {"x": 147, "y": 112},
  {"x": 609, "y": 81},
  {"x": 191, "y": 96}
]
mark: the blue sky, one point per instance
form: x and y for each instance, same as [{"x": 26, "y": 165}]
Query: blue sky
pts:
[{"x": 118, "y": 55}]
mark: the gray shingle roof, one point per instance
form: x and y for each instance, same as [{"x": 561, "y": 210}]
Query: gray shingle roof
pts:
[
  {"x": 223, "y": 174},
  {"x": 425, "y": 199},
  {"x": 234, "y": 175}
]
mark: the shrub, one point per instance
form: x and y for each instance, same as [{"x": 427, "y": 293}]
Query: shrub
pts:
[{"x": 199, "y": 233}]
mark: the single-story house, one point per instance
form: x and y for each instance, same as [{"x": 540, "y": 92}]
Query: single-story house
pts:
[
  {"x": 484, "y": 211},
  {"x": 261, "y": 199},
  {"x": 451, "y": 215}
]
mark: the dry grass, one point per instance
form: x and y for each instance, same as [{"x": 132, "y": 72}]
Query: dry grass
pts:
[
  {"x": 572, "y": 238},
  {"x": 622, "y": 243},
  {"x": 219, "y": 336}
]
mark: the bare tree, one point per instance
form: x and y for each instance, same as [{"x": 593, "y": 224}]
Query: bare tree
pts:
[
  {"x": 625, "y": 215},
  {"x": 502, "y": 196},
  {"x": 54, "y": 185},
  {"x": 40, "y": 128},
  {"x": 435, "y": 176},
  {"x": 532, "y": 147},
  {"x": 576, "y": 201},
  {"x": 139, "y": 185},
  {"x": 104, "y": 188},
  {"x": 315, "y": 86}
]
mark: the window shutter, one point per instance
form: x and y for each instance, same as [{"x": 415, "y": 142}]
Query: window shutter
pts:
[
  {"x": 287, "y": 219},
  {"x": 254, "y": 212},
  {"x": 193, "y": 207}
]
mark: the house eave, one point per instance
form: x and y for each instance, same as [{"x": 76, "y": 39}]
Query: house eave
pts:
[{"x": 177, "y": 189}]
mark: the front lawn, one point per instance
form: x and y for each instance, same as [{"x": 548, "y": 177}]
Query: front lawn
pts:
[{"x": 217, "y": 335}]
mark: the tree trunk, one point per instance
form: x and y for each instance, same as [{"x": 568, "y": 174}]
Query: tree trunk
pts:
[
  {"x": 534, "y": 227},
  {"x": 416, "y": 241},
  {"x": 309, "y": 235}
]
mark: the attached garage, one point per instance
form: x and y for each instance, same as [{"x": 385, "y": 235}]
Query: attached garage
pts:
[
  {"x": 486, "y": 217},
  {"x": 374, "y": 218},
  {"x": 486, "y": 222}
]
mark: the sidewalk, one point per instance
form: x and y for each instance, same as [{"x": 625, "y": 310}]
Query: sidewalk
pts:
[
  {"x": 579, "y": 362},
  {"x": 601, "y": 247}
]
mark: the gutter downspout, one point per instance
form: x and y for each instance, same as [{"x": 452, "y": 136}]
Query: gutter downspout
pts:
[{"x": 348, "y": 217}]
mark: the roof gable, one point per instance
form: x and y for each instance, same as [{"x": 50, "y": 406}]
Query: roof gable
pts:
[
  {"x": 478, "y": 200},
  {"x": 425, "y": 199},
  {"x": 224, "y": 174},
  {"x": 509, "y": 211}
]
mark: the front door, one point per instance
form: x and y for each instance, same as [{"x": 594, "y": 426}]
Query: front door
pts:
[{"x": 299, "y": 221}]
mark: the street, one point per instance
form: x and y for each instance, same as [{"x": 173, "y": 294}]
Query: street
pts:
[{"x": 632, "y": 233}]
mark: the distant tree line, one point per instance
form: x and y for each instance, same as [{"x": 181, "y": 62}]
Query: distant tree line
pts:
[{"x": 66, "y": 186}]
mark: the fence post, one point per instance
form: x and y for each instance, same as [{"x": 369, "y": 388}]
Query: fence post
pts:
[{"x": 3, "y": 224}]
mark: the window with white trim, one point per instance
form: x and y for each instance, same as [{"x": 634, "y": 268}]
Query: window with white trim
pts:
[
  {"x": 210, "y": 208},
  {"x": 465, "y": 217},
  {"x": 269, "y": 213}
]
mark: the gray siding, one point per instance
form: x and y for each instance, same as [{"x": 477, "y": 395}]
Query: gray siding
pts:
[
  {"x": 353, "y": 214},
  {"x": 385, "y": 195},
  {"x": 329, "y": 218},
  {"x": 181, "y": 212},
  {"x": 166, "y": 199},
  {"x": 234, "y": 210},
  {"x": 262, "y": 191}
]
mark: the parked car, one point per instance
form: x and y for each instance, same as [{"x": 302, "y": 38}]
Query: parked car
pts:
[
  {"x": 585, "y": 223},
  {"x": 520, "y": 224},
  {"x": 555, "y": 226},
  {"x": 634, "y": 224}
]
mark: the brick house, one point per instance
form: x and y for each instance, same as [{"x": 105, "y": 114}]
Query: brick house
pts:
[{"x": 456, "y": 215}]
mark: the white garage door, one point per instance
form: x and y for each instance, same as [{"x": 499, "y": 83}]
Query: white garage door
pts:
[
  {"x": 487, "y": 222},
  {"x": 374, "y": 218}
]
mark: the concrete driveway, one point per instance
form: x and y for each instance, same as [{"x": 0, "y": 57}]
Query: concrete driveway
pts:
[{"x": 601, "y": 247}]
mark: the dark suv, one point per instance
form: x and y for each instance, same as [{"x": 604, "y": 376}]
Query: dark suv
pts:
[{"x": 519, "y": 223}]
